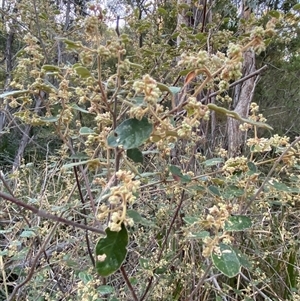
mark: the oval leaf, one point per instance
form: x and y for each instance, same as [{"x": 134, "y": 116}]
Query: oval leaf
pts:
[
  {"x": 27, "y": 233},
  {"x": 49, "y": 119},
  {"x": 214, "y": 190},
  {"x": 274, "y": 14},
  {"x": 177, "y": 174},
  {"x": 84, "y": 131},
  {"x": 238, "y": 223},
  {"x": 165, "y": 88},
  {"x": 51, "y": 68},
  {"x": 71, "y": 45},
  {"x": 283, "y": 187},
  {"x": 13, "y": 93},
  {"x": 244, "y": 261},
  {"x": 130, "y": 134},
  {"x": 227, "y": 262},
  {"x": 105, "y": 289},
  {"x": 83, "y": 72},
  {"x": 78, "y": 108},
  {"x": 252, "y": 167},
  {"x": 138, "y": 219},
  {"x": 71, "y": 165},
  {"x": 296, "y": 7},
  {"x": 213, "y": 161},
  {"x": 135, "y": 155},
  {"x": 113, "y": 251}
]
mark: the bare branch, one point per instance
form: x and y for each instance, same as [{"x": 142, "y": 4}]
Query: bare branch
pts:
[{"x": 44, "y": 214}]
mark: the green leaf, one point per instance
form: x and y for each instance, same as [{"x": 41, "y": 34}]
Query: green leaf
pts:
[
  {"x": 144, "y": 263},
  {"x": 134, "y": 65},
  {"x": 274, "y": 14},
  {"x": 135, "y": 155},
  {"x": 78, "y": 108},
  {"x": 213, "y": 161},
  {"x": 191, "y": 219},
  {"x": 200, "y": 36},
  {"x": 105, "y": 289},
  {"x": 43, "y": 16},
  {"x": 130, "y": 134},
  {"x": 174, "y": 90},
  {"x": 28, "y": 233},
  {"x": 177, "y": 174},
  {"x": 296, "y": 7},
  {"x": 232, "y": 191},
  {"x": 70, "y": 165},
  {"x": 282, "y": 187},
  {"x": 200, "y": 235},
  {"x": 227, "y": 262},
  {"x": 5, "y": 231},
  {"x": 165, "y": 88},
  {"x": 85, "y": 131},
  {"x": 83, "y": 72},
  {"x": 252, "y": 167},
  {"x": 162, "y": 11},
  {"x": 85, "y": 277},
  {"x": 243, "y": 259},
  {"x": 238, "y": 223},
  {"x": 175, "y": 170},
  {"x": 138, "y": 219},
  {"x": 71, "y": 45},
  {"x": 139, "y": 100},
  {"x": 51, "y": 68},
  {"x": 49, "y": 119},
  {"x": 13, "y": 93},
  {"x": 113, "y": 249},
  {"x": 79, "y": 156},
  {"x": 214, "y": 190},
  {"x": 134, "y": 215},
  {"x": 185, "y": 72}
]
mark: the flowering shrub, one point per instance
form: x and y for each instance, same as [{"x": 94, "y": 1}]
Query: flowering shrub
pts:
[{"x": 165, "y": 222}]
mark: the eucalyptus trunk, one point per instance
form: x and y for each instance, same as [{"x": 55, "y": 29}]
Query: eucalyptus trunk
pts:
[{"x": 242, "y": 98}]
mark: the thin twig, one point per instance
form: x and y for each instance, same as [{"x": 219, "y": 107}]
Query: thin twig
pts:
[
  {"x": 30, "y": 274},
  {"x": 124, "y": 274},
  {"x": 200, "y": 283},
  {"x": 85, "y": 214},
  {"x": 165, "y": 242},
  {"x": 269, "y": 174},
  {"x": 44, "y": 214},
  {"x": 37, "y": 237},
  {"x": 38, "y": 26}
]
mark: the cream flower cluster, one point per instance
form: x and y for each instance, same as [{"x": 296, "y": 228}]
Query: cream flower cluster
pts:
[{"x": 119, "y": 197}]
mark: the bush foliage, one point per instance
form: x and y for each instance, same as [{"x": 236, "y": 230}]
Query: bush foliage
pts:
[{"x": 125, "y": 191}]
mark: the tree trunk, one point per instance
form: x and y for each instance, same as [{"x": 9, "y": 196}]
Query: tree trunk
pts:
[
  {"x": 8, "y": 70},
  {"x": 242, "y": 98}
]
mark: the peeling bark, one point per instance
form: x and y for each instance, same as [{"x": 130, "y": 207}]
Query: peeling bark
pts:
[{"x": 242, "y": 99}]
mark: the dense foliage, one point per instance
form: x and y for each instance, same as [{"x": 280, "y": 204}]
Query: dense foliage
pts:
[{"x": 117, "y": 182}]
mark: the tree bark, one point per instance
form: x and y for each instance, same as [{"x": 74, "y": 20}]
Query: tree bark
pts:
[
  {"x": 8, "y": 70},
  {"x": 242, "y": 100}
]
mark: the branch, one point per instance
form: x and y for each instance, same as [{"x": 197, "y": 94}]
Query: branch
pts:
[
  {"x": 270, "y": 173},
  {"x": 44, "y": 214},
  {"x": 30, "y": 274},
  {"x": 164, "y": 242},
  {"x": 124, "y": 274},
  {"x": 237, "y": 82}
]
